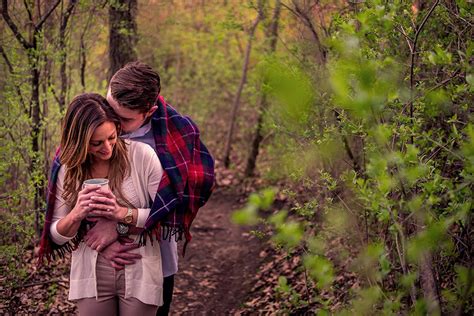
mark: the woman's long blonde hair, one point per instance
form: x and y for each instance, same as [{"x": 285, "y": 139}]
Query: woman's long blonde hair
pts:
[{"x": 85, "y": 113}]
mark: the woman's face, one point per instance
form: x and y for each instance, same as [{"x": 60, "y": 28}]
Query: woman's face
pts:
[{"x": 102, "y": 142}]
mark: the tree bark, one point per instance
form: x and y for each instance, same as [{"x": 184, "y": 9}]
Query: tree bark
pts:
[
  {"x": 123, "y": 34},
  {"x": 63, "y": 56},
  {"x": 83, "y": 64},
  {"x": 272, "y": 36},
  {"x": 82, "y": 54},
  {"x": 243, "y": 79},
  {"x": 429, "y": 285}
]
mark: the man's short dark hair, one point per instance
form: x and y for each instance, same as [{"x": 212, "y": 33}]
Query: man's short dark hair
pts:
[{"x": 136, "y": 86}]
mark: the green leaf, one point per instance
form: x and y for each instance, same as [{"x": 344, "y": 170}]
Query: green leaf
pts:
[
  {"x": 465, "y": 276},
  {"x": 283, "y": 285},
  {"x": 470, "y": 81},
  {"x": 427, "y": 240},
  {"x": 289, "y": 234},
  {"x": 246, "y": 216},
  {"x": 320, "y": 269}
]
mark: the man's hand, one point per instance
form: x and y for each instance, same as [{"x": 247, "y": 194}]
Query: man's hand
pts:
[
  {"x": 119, "y": 255},
  {"x": 102, "y": 234}
]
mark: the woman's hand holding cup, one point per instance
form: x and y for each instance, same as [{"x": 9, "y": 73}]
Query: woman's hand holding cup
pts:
[
  {"x": 106, "y": 206},
  {"x": 82, "y": 209},
  {"x": 101, "y": 186}
]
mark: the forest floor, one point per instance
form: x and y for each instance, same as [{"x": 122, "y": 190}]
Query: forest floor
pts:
[{"x": 220, "y": 264}]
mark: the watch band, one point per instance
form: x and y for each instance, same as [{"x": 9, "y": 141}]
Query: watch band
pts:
[{"x": 128, "y": 219}]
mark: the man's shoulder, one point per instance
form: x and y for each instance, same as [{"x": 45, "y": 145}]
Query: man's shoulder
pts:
[{"x": 172, "y": 114}]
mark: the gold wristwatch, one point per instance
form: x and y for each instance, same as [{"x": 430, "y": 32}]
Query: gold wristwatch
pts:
[{"x": 128, "y": 219}]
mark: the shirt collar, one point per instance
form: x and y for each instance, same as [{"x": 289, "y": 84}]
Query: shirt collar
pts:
[{"x": 140, "y": 132}]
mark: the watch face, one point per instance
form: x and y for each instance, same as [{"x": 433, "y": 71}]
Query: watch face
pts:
[{"x": 122, "y": 229}]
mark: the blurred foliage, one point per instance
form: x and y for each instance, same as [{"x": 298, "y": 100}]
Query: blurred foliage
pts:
[{"x": 396, "y": 171}]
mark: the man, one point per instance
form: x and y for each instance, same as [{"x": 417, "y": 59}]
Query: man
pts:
[{"x": 134, "y": 95}]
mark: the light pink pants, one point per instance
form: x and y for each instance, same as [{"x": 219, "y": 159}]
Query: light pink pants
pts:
[{"x": 111, "y": 295}]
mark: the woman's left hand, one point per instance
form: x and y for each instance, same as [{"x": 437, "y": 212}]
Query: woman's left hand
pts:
[{"x": 106, "y": 206}]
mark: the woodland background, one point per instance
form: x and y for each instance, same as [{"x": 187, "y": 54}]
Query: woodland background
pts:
[{"x": 347, "y": 126}]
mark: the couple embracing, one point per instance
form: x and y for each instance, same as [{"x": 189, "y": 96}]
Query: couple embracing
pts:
[{"x": 123, "y": 236}]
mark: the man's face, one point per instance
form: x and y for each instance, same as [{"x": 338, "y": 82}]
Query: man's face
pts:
[{"x": 130, "y": 120}]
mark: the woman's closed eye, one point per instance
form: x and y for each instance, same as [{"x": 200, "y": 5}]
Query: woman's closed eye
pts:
[{"x": 99, "y": 142}]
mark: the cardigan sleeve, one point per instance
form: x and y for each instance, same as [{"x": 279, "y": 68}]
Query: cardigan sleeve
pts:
[
  {"x": 61, "y": 209},
  {"x": 149, "y": 172},
  {"x": 154, "y": 171}
]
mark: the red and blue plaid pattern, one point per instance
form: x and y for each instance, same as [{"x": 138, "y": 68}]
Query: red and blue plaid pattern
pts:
[
  {"x": 188, "y": 177},
  {"x": 187, "y": 183}
]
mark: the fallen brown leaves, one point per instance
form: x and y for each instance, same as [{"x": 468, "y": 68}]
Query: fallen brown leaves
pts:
[
  {"x": 28, "y": 290},
  {"x": 265, "y": 296}
]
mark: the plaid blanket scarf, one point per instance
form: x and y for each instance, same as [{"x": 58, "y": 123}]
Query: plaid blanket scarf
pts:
[{"x": 186, "y": 185}]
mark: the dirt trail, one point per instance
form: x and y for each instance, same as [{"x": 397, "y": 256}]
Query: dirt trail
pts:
[{"x": 220, "y": 262}]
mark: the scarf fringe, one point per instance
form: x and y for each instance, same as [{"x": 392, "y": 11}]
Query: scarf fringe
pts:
[
  {"x": 166, "y": 232},
  {"x": 49, "y": 250}
]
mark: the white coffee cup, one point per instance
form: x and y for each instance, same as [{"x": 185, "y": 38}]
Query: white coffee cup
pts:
[{"x": 104, "y": 183}]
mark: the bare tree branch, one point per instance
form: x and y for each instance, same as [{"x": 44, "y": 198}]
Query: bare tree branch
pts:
[
  {"x": 420, "y": 28},
  {"x": 408, "y": 38},
  {"x": 413, "y": 54},
  {"x": 272, "y": 36},
  {"x": 445, "y": 81},
  {"x": 45, "y": 17},
  {"x": 13, "y": 26},
  {"x": 63, "y": 56},
  {"x": 67, "y": 14},
  {"x": 28, "y": 10},
  {"x": 51, "y": 88},
  {"x": 299, "y": 13},
  {"x": 7, "y": 61},
  {"x": 290, "y": 9},
  {"x": 235, "y": 106}
]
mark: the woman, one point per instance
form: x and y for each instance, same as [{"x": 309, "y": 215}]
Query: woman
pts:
[{"x": 90, "y": 148}]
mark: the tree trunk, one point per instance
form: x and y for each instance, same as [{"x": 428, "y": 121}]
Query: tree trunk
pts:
[
  {"x": 35, "y": 131},
  {"x": 241, "y": 85},
  {"x": 123, "y": 34},
  {"x": 272, "y": 36},
  {"x": 428, "y": 284},
  {"x": 83, "y": 65},
  {"x": 303, "y": 14},
  {"x": 83, "y": 55},
  {"x": 63, "y": 56}
]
